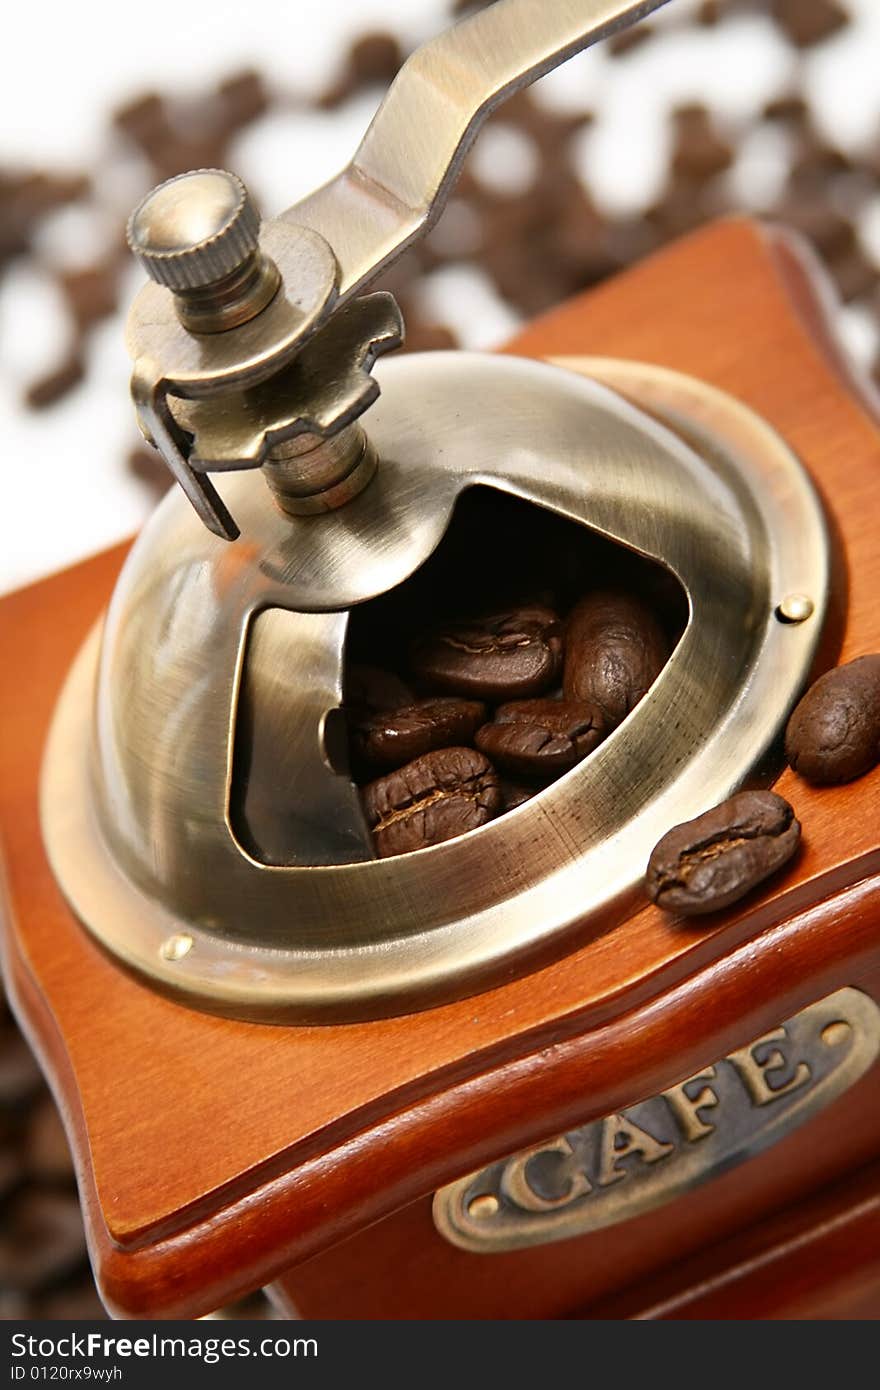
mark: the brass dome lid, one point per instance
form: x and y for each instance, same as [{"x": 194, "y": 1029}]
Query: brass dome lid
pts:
[{"x": 137, "y": 774}]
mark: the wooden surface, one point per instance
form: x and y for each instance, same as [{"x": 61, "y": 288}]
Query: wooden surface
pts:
[
  {"x": 819, "y": 1259},
  {"x": 215, "y": 1154}
]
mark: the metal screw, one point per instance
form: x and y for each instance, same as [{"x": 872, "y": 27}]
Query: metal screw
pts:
[
  {"x": 795, "y": 608},
  {"x": 198, "y": 234},
  {"x": 176, "y": 947},
  {"x": 833, "y": 1034},
  {"x": 483, "y": 1206}
]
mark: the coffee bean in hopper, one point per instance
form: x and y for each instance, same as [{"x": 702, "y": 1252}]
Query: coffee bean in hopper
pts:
[
  {"x": 535, "y": 738},
  {"x": 615, "y": 649},
  {"x": 393, "y": 737},
  {"x": 371, "y": 688},
  {"x": 833, "y": 734},
  {"x": 708, "y": 863},
  {"x": 434, "y": 798},
  {"x": 504, "y": 656}
]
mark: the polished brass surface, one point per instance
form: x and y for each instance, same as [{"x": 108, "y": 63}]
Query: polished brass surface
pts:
[
  {"x": 623, "y": 1165},
  {"x": 136, "y": 780},
  {"x": 795, "y": 608},
  {"x": 194, "y": 229},
  {"x": 198, "y": 234},
  {"x": 325, "y": 476},
  {"x": 322, "y": 391},
  {"x": 333, "y": 242}
]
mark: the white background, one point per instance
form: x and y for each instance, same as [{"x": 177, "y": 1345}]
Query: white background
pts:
[{"x": 66, "y": 492}]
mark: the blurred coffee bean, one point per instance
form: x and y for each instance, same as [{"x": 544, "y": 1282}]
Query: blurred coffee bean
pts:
[
  {"x": 371, "y": 688},
  {"x": 26, "y": 198},
  {"x": 615, "y": 650},
  {"x": 833, "y": 734},
  {"x": 42, "y": 1240},
  {"x": 532, "y": 738},
  {"x": 832, "y": 234},
  {"x": 244, "y": 97},
  {"x": 77, "y": 1302},
  {"x": 12, "y": 1166},
  {"x": 854, "y": 275},
  {"x": 439, "y": 796},
  {"x": 629, "y": 39},
  {"x": 146, "y": 464},
  {"x": 808, "y": 22},
  {"x": 20, "y": 1077},
  {"x": 790, "y": 107},
  {"x": 393, "y": 737},
  {"x": 146, "y": 121},
  {"x": 711, "y": 862},
  {"x": 699, "y": 152},
  {"x": 52, "y": 387},
  {"x": 423, "y": 336},
  {"x": 373, "y": 60},
  {"x": 14, "y": 1307},
  {"x": 502, "y": 656},
  {"x": 91, "y": 293},
  {"x": 48, "y": 1152}
]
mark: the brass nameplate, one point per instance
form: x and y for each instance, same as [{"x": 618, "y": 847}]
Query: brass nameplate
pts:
[{"x": 620, "y": 1166}]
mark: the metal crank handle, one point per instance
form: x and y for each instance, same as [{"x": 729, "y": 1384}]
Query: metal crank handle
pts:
[
  {"x": 258, "y": 317},
  {"x": 396, "y": 185}
]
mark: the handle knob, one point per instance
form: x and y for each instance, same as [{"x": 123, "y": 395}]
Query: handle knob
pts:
[{"x": 194, "y": 229}]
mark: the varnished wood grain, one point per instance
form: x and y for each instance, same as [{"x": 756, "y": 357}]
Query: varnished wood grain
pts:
[
  {"x": 403, "y": 1268},
  {"x": 820, "y": 1260},
  {"x": 213, "y": 1154}
]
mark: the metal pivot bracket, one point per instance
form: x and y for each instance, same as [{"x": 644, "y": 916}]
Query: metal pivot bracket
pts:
[{"x": 215, "y": 338}]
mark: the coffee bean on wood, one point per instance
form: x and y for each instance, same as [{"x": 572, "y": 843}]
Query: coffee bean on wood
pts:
[
  {"x": 534, "y": 738},
  {"x": 615, "y": 650},
  {"x": 440, "y": 795},
  {"x": 713, "y": 861},
  {"x": 503, "y": 656},
  {"x": 393, "y": 737},
  {"x": 833, "y": 734}
]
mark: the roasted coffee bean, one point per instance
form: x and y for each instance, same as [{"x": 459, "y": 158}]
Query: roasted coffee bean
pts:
[
  {"x": 534, "y": 737},
  {"x": 808, "y": 22},
  {"x": 615, "y": 649},
  {"x": 391, "y": 738},
  {"x": 371, "y": 688},
  {"x": 833, "y": 734},
  {"x": 503, "y": 656},
  {"x": 515, "y": 794},
  {"x": 443, "y": 794},
  {"x": 709, "y": 863}
]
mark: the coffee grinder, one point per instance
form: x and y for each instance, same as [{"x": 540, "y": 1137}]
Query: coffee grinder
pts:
[{"x": 441, "y": 1084}]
